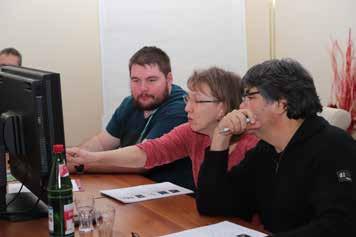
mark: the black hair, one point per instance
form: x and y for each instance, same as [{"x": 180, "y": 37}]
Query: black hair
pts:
[{"x": 285, "y": 79}]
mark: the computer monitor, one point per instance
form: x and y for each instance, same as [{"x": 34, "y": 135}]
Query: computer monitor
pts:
[{"x": 31, "y": 121}]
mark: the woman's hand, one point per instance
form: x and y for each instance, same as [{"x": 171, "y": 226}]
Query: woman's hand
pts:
[{"x": 235, "y": 122}]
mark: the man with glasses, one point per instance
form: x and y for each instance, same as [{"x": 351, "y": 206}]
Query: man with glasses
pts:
[
  {"x": 298, "y": 178},
  {"x": 154, "y": 108},
  {"x": 10, "y": 56}
]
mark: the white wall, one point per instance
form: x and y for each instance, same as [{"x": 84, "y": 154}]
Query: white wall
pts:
[
  {"x": 61, "y": 36},
  {"x": 305, "y": 29},
  {"x": 257, "y": 30},
  {"x": 194, "y": 33}
]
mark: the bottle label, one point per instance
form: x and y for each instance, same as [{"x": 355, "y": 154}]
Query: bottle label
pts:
[
  {"x": 68, "y": 219},
  {"x": 50, "y": 219},
  {"x": 63, "y": 170}
]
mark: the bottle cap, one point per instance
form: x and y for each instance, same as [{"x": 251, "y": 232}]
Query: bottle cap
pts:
[{"x": 58, "y": 148}]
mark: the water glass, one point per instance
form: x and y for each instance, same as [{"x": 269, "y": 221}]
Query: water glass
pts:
[
  {"x": 85, "y": 209},
  {"x": 105, "y": 219}
]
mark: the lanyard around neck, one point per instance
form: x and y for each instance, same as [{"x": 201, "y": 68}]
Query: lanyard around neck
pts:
[{"x": 140, "y": 138}]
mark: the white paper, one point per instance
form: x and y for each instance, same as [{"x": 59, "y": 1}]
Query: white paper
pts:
[
  {"x": 14, "y": 187},
  {"x": 146, "y": 192},
  {"x": 75, "y": 185},
  {"x": 225, "y": 228}
]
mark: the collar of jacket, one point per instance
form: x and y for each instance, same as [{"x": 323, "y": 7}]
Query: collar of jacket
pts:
[{"x": 309, "y": 127}]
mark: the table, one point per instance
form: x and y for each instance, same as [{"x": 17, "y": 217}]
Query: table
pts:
[{"x": 148, "y": 218}]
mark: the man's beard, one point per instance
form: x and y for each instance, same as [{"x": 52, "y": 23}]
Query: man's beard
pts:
[{"x": 157, "y": 101}]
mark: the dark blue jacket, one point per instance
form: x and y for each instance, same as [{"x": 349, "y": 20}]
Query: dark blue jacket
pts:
[{"x": 129, "y": 124}]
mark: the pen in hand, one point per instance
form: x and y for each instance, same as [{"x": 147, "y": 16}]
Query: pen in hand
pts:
[{"x": 226, "y": 130}]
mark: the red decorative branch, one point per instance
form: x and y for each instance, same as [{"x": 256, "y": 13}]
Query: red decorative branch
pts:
[{"x": 343, "y": 90}]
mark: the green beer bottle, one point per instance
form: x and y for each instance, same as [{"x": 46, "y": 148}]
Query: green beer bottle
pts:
[{"x": 60, "y": 196}]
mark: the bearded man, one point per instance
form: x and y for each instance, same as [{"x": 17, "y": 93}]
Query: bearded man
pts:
[{"x": 154, "y": 108}]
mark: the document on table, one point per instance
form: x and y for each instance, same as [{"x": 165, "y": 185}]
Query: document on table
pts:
[
  {"x": 76, "y": 185},
  {"x": 146, "y": 192},
  {"x": 225, "y": 228},
  {"x": 14, "y": 187}
]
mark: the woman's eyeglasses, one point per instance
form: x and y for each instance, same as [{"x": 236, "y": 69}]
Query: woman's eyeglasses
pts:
[{"x": 187, "y": 99}]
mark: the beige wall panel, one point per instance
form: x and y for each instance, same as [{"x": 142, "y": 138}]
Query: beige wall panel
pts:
[
  {"x": 304, "y": 30},
  {"x": 61, "y": 36}
]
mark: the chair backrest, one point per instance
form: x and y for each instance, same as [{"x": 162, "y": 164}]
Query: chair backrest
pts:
[{"x": 337, "y": 117}]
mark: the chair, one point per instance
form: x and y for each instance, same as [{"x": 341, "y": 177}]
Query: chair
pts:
[{"x": 337, "y": 117}]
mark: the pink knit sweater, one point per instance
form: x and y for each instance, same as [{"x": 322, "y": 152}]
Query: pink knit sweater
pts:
[{"x": 182, "y": 142}]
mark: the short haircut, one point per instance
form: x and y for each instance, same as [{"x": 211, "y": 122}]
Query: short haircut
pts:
[
  {"x": 151, "y": 55},
  {"x": 224, "y": 85},
  {"x": 285, "y": 79},
  {"x": 12, "y": 51}
]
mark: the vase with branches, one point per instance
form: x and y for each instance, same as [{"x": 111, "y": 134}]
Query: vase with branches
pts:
[{"x": 343, "y": 90}]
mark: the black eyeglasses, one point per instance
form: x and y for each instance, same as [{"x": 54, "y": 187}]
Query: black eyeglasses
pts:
[
  {"x": 247, "y": 94},
  {"x": 187, "y": 99}
]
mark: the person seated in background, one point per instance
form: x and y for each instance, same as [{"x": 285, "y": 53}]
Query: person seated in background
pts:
[
  {"x": 154, "y": 108},
  {"x": 299, "y": 176},
  {"x": 10, "y": 56},
  {"x": 212, "y": 93}
]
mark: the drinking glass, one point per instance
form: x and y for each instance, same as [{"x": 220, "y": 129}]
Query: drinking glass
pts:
[
  {"x": 85, "y": 208},
  {"x": 105, "y": 219}
]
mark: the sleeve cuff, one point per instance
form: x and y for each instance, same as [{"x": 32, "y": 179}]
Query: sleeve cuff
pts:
[
  {"x": 216, "y": 154},
  {"x": 216, "y": 158}
]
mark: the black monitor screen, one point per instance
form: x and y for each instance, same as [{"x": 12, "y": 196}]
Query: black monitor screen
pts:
[{"x": 31, "y": 122}]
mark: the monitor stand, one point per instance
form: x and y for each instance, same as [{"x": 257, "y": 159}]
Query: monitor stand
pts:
[{"x": 24, "y": 207}]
